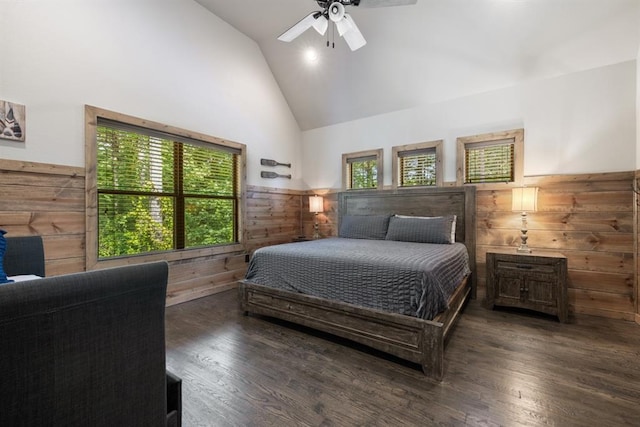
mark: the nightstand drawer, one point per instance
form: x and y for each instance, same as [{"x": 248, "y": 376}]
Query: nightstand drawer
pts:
[{"x": 524, "y": 267}]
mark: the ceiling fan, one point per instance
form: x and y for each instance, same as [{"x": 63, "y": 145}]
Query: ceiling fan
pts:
[{"x": 334, "y": 11}]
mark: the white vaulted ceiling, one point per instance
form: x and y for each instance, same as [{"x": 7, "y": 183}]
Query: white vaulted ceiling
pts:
[{"x": 431, "y": 51}]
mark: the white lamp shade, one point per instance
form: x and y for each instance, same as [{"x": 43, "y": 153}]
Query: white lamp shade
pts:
[
  {"x": 524, "y": 199},
  {"x": 316, "y": 204}
]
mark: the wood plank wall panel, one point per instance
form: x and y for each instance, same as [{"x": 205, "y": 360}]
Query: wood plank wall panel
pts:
[
  {"x": 272, "y": 216},
  {"x": 199, "y": 277},
  {"x": 327, "y": 220},
  {"x": 590, "y": 219},
  {"x": 636, "y": 206},
  {"x": 46, "y": 200}
]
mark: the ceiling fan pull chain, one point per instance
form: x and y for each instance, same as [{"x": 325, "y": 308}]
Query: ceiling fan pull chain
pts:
[
  {"x": 328, "y": 36},
  {"x": 333, "y": 36}
]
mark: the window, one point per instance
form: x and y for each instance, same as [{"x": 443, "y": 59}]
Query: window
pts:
[
  {"x": 417, "y": 164},
  {"x": 491, "y": 158},
  {"x": 362, "y": 170},
  {"x": 161, "y": 191}
]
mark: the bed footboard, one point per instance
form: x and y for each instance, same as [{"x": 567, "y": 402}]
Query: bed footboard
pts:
[{"x": 409, "y": 338}]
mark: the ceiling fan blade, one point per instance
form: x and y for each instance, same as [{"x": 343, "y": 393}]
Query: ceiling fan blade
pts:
[
  {"x": 384, "y": 3},
  {"x": 302, "y": 26},
  {"x": 353, "y": 37},
  {"x": 321, "y": 24},
  {"x": 344, "y": 26}
]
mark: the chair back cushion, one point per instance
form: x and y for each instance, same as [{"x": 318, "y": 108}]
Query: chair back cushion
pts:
[{"x": 24, "y": 255}]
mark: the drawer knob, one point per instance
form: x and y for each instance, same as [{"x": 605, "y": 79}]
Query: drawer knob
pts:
[{"x": 524, "y": 267}]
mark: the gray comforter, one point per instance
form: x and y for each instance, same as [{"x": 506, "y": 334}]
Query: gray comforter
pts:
[{"x": 414, "y": 279}]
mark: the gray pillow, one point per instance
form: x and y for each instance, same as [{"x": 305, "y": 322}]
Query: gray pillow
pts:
[
  {"x": 437, "y": 229},
  {"x": 364, "y": 226}
]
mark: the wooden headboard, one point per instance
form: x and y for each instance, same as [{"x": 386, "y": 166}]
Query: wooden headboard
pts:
[{"x": 460, "y": 201}]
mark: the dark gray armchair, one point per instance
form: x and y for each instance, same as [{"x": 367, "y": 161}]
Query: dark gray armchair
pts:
[{"x": 87, "y": 349}]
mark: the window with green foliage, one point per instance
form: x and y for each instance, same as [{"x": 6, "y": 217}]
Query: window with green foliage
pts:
[
  {"x": 417, "y": 164},
  {"x": 418, "y": 169},
  {"x": 159, "y": 192},
  {"x": 363, "y": 173},
  {"x": 362, "y": 170},
  {"x": 491, "y": 158},
  {"x": 489, "y": 162}
]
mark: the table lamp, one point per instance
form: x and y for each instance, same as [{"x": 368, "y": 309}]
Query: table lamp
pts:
[
  {"x": 524, "y": 199},
  {"x": 316, "y": 205}
]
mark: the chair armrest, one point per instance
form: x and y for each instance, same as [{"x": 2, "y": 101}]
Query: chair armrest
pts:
[{"x": 174, "y": 400}]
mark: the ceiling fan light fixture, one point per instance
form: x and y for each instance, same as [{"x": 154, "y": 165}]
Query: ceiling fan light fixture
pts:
[{"x": 336, "y": 11}]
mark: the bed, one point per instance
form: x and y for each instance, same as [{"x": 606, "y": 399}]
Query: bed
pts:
[{"x": 415, "y": 331}]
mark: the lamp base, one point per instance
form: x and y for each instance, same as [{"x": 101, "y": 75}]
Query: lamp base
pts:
[{"x": 524, "y": 249}]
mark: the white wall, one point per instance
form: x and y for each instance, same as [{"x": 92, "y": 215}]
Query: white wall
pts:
[
  {"x": 577, "y": 123},
  {"x": 169, "y": 61}
]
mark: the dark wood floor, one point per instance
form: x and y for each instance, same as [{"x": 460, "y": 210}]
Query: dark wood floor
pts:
[{"x": 501, "y": 368}]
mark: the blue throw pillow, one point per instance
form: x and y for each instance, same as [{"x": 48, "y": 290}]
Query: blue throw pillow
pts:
[{"x": 3, "y": 249}]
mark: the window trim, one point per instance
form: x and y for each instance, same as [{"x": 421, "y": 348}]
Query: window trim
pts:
[
  {"x": 397, "y": 151},
  {"x": 515, "y": 135},
  {"x": 347, "y": 157},
  {"x": 91, "y": 193}
]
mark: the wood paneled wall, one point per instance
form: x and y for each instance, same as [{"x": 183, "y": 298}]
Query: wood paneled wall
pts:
[
  {"x": 589, "y": 218},
  {"x": 636, "y": 205},
  {"x": 272, "y": 216},
  {"x": 592, "y": 219},
  {"x": 48, "y": 200},
  {"x": 327, "y": 220}
]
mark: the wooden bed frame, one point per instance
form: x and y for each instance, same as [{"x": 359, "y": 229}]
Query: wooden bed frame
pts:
[{"x": 410, "y": 338}]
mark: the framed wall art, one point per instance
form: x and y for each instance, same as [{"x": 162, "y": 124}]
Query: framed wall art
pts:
[{"x": 12, "y": 121}]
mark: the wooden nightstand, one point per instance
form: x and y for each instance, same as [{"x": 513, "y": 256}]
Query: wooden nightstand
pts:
[{"x": 536, "y": 281}]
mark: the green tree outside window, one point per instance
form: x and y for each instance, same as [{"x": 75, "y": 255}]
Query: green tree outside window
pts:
[
  {"x": 364, "y": 174},
  {"x": 157, "y": 194}
]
